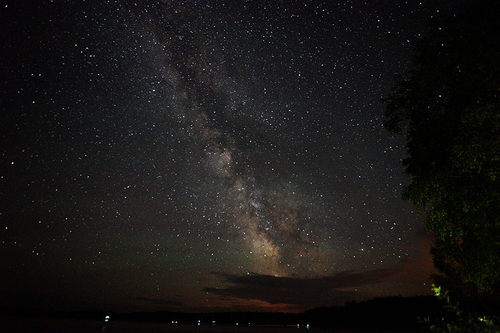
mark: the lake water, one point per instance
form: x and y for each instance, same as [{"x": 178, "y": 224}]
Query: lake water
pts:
[{"x": 46, "y": 325}]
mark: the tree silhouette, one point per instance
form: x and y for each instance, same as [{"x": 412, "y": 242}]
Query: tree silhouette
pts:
[{"x": 448, "y": 106}]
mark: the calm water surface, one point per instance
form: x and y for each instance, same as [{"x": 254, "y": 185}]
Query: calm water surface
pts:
[{"x": 43, "y": 325}]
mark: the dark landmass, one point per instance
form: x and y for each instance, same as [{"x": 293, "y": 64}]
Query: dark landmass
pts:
[{"x": 379, "y": 313}]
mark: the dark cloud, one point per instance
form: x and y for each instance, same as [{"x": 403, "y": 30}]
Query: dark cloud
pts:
[{"x": 336, "y": 288}]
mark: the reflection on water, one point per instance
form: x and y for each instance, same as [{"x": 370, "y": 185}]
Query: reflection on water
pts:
[
  {"x": 22, "y": 325},
  {"x": 43, "y": 325}
]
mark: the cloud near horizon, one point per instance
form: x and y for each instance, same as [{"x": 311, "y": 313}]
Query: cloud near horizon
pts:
[{"x": 309, "y": 292}]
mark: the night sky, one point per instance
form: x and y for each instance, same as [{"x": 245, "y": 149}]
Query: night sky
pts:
[{"x": 205, "y": 155}]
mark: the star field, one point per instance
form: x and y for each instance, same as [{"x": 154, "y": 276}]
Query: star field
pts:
[{"x": 189, "y": 155}]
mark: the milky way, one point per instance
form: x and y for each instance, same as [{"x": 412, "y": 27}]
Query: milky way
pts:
[
  {"x": 236, "y": 144},
  {"x": 193, "y": 151}
]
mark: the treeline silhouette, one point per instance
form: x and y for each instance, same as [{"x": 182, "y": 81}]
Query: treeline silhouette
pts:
[
  {"x": 393, "y": 312},
  {"x": 380, "y": 313}
]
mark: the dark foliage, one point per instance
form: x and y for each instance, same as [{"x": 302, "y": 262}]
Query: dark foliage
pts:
[{"x": 449, "y": 108}]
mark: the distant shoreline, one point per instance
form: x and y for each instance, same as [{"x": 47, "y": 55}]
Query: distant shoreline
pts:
[{"x": 388, "y": 313}]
